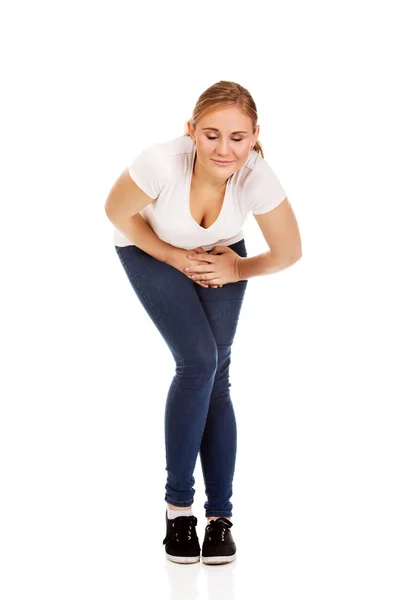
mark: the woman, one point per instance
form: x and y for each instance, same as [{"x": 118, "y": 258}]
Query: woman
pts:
[{"x": 178, "y": 212}]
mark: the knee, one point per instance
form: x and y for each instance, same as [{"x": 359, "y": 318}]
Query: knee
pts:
[{"x": 202, "y": 361}]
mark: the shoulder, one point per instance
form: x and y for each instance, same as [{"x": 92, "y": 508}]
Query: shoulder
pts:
[
  {"x": 260, "y": 186},
  {"x": 174, "y": 147},
  {"x": 161, "y": 162},
  {"x": 256, "y": 170},
  {"x": 174, "y": 154}
]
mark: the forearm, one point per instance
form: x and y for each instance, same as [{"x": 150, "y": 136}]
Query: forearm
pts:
[
  {"x": 139, "y": 232},
  {"x": 262, "y": 264}
]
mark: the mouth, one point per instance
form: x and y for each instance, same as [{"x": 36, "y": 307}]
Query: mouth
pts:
[{"x": 222, "y": 162}]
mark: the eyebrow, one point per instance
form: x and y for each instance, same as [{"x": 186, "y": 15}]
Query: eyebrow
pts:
[{"x": 215, "y": 129}]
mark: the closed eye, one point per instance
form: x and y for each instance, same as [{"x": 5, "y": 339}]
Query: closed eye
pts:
[{"x": 214, "y": 138}]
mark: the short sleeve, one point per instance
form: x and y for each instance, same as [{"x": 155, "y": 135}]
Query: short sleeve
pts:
[
  {"x": 263, "y": 190},
  {"x": 149, "y": 170}
]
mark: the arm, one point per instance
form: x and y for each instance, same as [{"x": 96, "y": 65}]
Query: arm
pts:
[
  {"x": 262, "y": 264},
  {"x": 280, "y": 230},
  {"x": 124, "y": 202},
  {"x": 139, "y": 232}
]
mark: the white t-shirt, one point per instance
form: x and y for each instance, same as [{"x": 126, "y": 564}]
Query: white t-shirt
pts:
[{"x": 164, "y": 171}]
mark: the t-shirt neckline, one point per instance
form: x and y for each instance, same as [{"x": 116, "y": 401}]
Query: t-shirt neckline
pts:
[{"x": 190, "y": 177}]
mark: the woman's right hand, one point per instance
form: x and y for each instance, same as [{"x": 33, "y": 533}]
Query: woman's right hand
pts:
[{"x": 180, "y": 261}]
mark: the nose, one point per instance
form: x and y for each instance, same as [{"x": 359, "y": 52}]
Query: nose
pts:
[{"x": 223, "y": 147}]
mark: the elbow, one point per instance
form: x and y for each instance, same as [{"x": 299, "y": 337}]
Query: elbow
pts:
[
  {"x": 289, "y": 257},
  {"x": 108, "y": 206},
  {"x": 108, "y": 213},
  {"x": 110, "y": 209},
  {"x": 296, "y": 252},
  {"x": 111, "y": 206},
  {"x": 111, "y": 216},
  {"x": 296, "y": 255},
  {"x": 297, "y": 258}
]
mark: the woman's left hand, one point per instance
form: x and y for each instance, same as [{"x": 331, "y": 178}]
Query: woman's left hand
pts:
[{"x": 218, "y": 267}]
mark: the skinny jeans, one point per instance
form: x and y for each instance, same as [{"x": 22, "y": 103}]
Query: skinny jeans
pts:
[{"x": 198, "y": 325}]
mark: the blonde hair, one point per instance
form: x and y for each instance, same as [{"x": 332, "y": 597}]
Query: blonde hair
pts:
[{"x": 222, "y": 95}]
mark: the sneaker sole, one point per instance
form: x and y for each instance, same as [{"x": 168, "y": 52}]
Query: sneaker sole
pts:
[
  {"x": 218, "y": 560},
  {"x": 183, "y": 559}
]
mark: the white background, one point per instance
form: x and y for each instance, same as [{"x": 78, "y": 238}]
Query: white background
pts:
[{"x": 315, "y": 369}]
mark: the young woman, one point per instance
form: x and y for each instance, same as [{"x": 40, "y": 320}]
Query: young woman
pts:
[{"x": 178, "y": 211}]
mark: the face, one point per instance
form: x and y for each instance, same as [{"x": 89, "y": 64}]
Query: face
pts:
[{"x": 223, "y": 135}]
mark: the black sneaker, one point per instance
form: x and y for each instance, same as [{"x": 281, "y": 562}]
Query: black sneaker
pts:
[
  {"x": 218, "y": 546},
  {"x": 181, "y": 542}
]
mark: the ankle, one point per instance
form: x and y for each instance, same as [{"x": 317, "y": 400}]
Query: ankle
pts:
[
  {"x": 215, "y": 518},
  {"x": 171, "y": 507},
  {"x": 173, "y": 514}
]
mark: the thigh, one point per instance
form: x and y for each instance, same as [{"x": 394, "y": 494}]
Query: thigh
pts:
[
  {"x": 171, "y": 301},
  {"x": 222, "y": 306}
]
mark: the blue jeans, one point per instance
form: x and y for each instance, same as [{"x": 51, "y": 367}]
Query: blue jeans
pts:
[{"x": 198, "y": 325}]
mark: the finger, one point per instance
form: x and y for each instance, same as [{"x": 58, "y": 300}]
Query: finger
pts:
[
  {"x": 198, "y": 256},
  {"x": 199, "y": 271},
  {"x": 203, "y": 284},
  {"x": 201, "y": 256}
]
